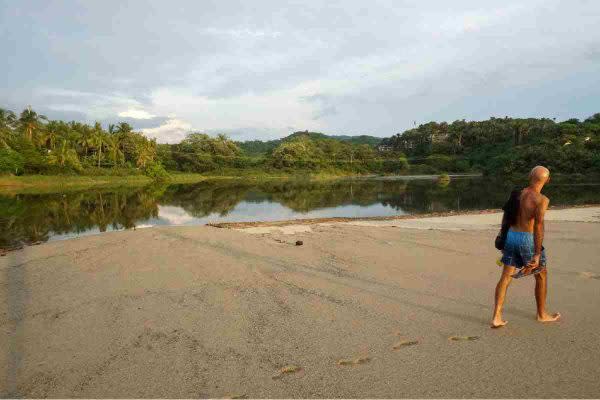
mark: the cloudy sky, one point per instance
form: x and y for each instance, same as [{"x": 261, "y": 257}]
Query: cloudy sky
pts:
[{"x": 263, "y": 69}]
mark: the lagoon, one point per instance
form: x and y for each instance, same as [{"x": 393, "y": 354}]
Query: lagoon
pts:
[{"x": 33, "y": 218}]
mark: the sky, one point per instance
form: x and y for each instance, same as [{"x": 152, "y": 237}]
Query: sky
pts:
[{"x": 263, "y": 69}]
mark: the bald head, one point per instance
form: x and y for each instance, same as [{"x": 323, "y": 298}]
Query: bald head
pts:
[{"x": 539, "y": 174}]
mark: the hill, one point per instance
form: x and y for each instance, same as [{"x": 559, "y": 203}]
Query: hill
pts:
[{"x": 259, "y": 147}]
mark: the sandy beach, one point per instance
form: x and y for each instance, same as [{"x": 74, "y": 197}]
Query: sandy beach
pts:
[{"x": 394, "y": 308}]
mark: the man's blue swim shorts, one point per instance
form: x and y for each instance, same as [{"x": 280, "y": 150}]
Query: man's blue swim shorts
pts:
[{"x": 519, "y": 250}]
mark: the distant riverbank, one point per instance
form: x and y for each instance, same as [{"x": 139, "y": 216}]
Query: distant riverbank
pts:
[{"x": 60, "y": 183}]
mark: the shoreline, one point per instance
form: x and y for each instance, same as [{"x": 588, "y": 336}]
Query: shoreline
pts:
[
  {"x": 451, "y": 220},
  {"x": 315, "y": 221}
]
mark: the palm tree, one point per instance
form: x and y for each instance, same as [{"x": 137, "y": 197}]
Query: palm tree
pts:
[
  {"x": 146, "y": 154},
  {"x": 64, "y": 155},
  {"x": 30, "y": 122},
  {"x": 50, "y": 136},
  {"x": 60, "y": 155},
  {"x": 86, "y": 140},
  {"x": 7, "y": 119},
  {"x": 99, "y": 141},
  {"x": 114, "y": 149},
  {"x": 124, "y": 127}
]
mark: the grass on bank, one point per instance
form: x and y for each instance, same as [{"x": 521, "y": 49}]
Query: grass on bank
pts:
[
  {"x": 59, "y": 183},
  {"x": 11, "y": 184},
  {"x": 40, "y": 184}
]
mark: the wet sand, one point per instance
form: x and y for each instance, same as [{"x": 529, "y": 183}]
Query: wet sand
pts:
[{"x": 396, "y": 308}]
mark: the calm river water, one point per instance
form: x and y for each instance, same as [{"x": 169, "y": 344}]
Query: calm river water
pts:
[{"x": 31, "y": 218}]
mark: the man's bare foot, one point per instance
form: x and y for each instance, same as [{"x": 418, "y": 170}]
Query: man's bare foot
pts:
[
  {"x": 548, "y": 317},
  {"x": 498, "y": 323}
]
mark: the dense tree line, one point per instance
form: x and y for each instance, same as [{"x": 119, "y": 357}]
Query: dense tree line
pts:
[
  {"x": 504, "y": 145},
  {"x": 301, "y": 151},
  {"x": 30, "y": 143}
]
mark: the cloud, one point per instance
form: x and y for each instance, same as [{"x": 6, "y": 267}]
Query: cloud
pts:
[
  {"x": 172, "y": 131},
  {"x": 337, "y": 67},
  {"x": 240, "y": 33},
  {"x": 137, "y": 124},
  {"x": 96, "y": 105},
  {"x": 136, "y": 114},
  {"x": 270, "y": 112}
]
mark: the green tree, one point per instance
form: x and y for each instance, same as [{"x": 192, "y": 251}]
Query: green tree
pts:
[
  {"x": 99, "y": 141},
  {"x": 7, "y": 119},
  {"x": 147, "y": 153},
  {"x": 122, "y": 127},
  {"x": 115, "y": 154},
  {"x": 86, "y": 141},
  {"x": 31, "y": 123},
  {"x": 11, "y": 162},
  {"x": 64, "y": 155},
  {"x": 199, "y": 152},
  {"x": 364, "y": 152},
  {"x": 51, "y": 135},
  {"x": 300, "y": 153}
]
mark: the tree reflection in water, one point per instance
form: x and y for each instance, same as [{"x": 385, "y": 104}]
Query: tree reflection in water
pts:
[{"x": 32, "y": 218}]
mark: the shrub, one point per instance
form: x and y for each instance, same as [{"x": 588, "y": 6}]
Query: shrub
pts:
[
  {"x": 157, "y": 172},
  {"x": 443, "y": 179},
  {"x": 11, "y": 162},
  {"x": 34, "y": 162}
]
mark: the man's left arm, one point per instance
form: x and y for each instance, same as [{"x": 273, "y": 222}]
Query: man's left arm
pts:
[{"x": 538, "y": 231}]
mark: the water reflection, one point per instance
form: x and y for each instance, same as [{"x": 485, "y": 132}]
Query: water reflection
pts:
[{"x": 31, "y": 218}]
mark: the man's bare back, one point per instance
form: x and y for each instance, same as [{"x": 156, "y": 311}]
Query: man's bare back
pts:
[{"x": 532, "y": 207}]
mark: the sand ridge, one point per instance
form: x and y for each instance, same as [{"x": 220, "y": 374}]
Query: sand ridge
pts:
[{"x": 482, "y": 219}]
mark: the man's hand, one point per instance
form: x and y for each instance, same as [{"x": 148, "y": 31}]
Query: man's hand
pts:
[
  {"x": 535, "y": 261},
  {"x": 533, "y": 264}
]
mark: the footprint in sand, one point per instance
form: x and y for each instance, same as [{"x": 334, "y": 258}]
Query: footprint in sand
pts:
[
  {"x": 460, "y": 338},
  {"x": 589, "y": 275},
  {"x": 356, "y": 361},
  {"x": 290, "y": 369},
  {"x": 405, "y": 343}
]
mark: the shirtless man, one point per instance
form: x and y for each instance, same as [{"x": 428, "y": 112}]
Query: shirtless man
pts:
[{"x": 523, "y": 248}]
